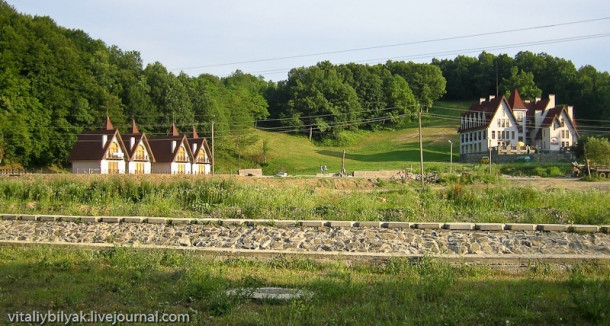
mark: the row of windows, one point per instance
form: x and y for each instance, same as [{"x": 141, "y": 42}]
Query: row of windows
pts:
[
  {"x": 472, "y": 148},
  {"x": 473, "y": 136},
  {"x": 504, "y": 134}
]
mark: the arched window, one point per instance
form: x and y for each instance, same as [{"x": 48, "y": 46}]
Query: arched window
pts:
[
  {"x": 113, "y": 150},
  {"x": 182, "y": 156},
  {"x": 140, "y": 153}
]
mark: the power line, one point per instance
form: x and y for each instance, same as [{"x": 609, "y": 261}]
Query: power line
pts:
[
  {"x": 394, "y": 45},
  {"x": 461, "y": 51}
]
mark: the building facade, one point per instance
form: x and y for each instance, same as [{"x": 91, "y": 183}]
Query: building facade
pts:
[
  {"x": 514, "y": 126},
  {"x": 99, "y": 151}
]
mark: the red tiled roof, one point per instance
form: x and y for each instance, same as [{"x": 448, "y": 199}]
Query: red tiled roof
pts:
[
  {"x": 550, "y": 117},
  {"x": 108, "y": 124},
  {"x": 139, "y": 138},
  {"x": 162, "y": 147},
  {"x": 134, "y": 128},
  {"x": 515, "y": 102},
  {"x": 201, "y": 144},
  {"x": 486, "y": 107},
  {"x": 89, "y": 145},
  {"x": 173, "y": 131}
]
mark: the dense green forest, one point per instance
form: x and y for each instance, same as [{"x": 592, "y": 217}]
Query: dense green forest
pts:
[
  {"x": 535, "y": 75},
  {"x": 56, "y": 82}
]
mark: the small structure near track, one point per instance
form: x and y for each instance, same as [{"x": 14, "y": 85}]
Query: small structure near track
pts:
[
  {"x": 270, "y": 293},
  {"x": 250, "y": 172}
]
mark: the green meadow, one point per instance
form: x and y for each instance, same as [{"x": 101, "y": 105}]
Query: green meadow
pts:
[{"x": 428, "y": 292}]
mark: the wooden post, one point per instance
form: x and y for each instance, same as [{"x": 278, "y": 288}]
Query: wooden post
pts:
[
  {"x": 213, "y": 157},
  {"x": 343, "y": 164},
  {"x": 310, "y": 132},
  {"x": 489, "y": 156},
  {"x": 451, "y": 157},
  {"x": 421, "y": 150}
]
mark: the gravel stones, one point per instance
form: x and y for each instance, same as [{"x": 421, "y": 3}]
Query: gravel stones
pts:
[{"x": 399, "y": 240}]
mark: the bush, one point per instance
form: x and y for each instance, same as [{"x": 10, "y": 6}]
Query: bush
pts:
[{"x": 598, "y": 151}]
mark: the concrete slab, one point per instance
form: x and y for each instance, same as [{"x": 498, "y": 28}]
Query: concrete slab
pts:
[
  {"x": 584, "y": 228},
  {"x": 29, "y": 217},
  {"x": 489, "y": 226},
  {"x": 553, "y": 227},
  {"x": 428, "y": 225},
  {"x": 311, "y": 223},
  {"x": 157, "y": 220},
  {"x": 231, "y": 222},
  {"x": 605, "y": 228},
  {"x": 340, "y": 224},
  {"x": 284, "y": 223},
  {"x": 112, "y": 219},
  {"x": 90, "y": 219},
  {"x": 178, "y": 221},
  {"x": 205, "y": 221},
  {"x": 270, "y": 293},
  {"x": 133, "y": 219},
  {"x": 48, "y": 218},
  {"x": 521, "y": 227},
  {"x": 368, "y": 224},
  {"x": 257, "y": 222},
  {"x": 396, "y": 225},
  {"x": 10, "y": 217},
  {"x": 459, "y": 226},
  {"x": 70, "y": 218}
]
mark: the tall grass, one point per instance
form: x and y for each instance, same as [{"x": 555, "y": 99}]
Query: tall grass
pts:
[{"x": 468, "y": 199}]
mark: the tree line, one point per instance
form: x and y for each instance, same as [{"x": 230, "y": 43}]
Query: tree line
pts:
[
  {"x": 535, "y": 75},
  {"x": 56, "y": 82}
]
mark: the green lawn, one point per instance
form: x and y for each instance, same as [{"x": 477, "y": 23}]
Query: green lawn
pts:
[
  {"x": 380, "y": 150},
  {"x": 399, "y": 292}
]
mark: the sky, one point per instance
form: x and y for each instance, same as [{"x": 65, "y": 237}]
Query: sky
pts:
[{"x": 269, "y": 37}]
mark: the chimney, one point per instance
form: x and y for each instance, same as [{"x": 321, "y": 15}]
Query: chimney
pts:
[
  {"x": 481, "y": 100},
  {"x": 173, "y": 146},
  {"x": 527, "y": 101},
  {"x": 551, "y": 100},
  {"x": 537, "y": 99},
  {"x": 132, "y": 142},
  {"x": 491, "y": 97},
  {"x": 104, "y": 140}
]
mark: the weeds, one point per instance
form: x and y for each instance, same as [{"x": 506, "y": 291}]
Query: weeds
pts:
[
  {"x": 473, "y": 197},
  {"x": 402, "y": 291}
]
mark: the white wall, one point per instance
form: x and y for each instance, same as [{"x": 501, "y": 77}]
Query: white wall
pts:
[
  {"x": 104, "y": 166},
  {"x": 187, "y": 167},
  {"x": 131, "y": 167}
]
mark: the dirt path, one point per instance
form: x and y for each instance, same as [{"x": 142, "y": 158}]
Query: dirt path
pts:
[{"x": 558, "y": 183}]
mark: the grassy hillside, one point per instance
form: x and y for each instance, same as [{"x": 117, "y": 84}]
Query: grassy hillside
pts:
[{"x": 381, "y": 150}]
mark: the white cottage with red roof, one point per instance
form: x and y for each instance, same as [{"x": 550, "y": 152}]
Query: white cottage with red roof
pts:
[
  {"x": 172, "y": 153},
  {"x": 202, "y": 163},
  {"x": 516, "y": 126},
  {"x": 139, "y": 154},
  {"x": 99, "y": 151}
]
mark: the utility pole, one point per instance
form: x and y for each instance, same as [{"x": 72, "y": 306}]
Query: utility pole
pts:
[
  {"x": 310, "y": 132},
  {"x": 421, "y": 149},
  {"x": 343, "y": 164},
  {"x": 489, "y": 156},
  {"x": 450, "y": 157},
  {"x": 213, "y": 157}
]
